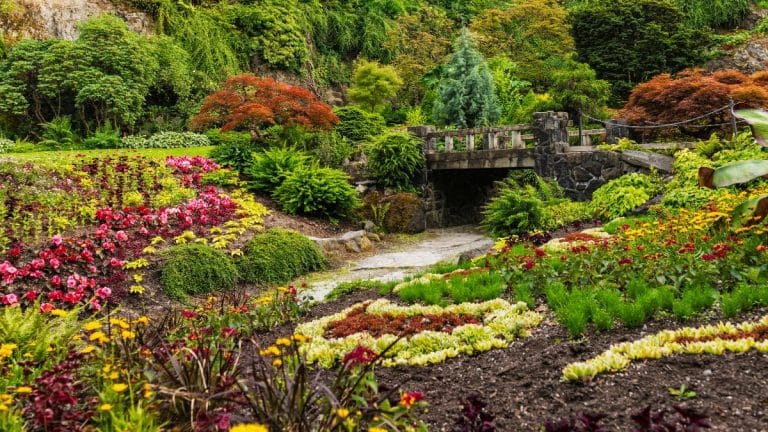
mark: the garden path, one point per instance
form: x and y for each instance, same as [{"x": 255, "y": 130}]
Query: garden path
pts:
[{"x": 441, "y": 245}]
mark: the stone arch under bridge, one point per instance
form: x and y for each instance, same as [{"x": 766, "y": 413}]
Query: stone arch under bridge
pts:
[{"x": 463, "y": 165}]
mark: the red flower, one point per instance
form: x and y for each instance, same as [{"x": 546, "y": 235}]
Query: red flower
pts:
[
  {"x": 625, "y": 261},
  {"x": 10, "y": 299},
  {"x": 46, "y": 307},
  {"x": 188, "y": 314},
  {"x": 539, "y": 252},
  {"x": 31, "y": 295},
  {"x": 408, "y": 399},
  {"x": 708, "y": 257},
  {"x": 359, "y": 355},
  {"x": 228, "y": 332},
  {"x": 104, "y": 292}
]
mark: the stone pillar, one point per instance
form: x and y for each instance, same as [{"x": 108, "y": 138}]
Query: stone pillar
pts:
[
  {"x": 550, "y": 131},
  {"x": 430, "y": 144},
  {"x": 448, "y": 144},
  {"x": 615, "y": 130},
  {"x": 471, "y": 142}
]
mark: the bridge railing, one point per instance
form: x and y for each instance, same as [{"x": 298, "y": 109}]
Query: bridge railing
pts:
[{"x": 518, "y": 136}]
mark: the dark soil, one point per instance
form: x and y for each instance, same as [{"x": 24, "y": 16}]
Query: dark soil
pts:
[{"x": 523, "y": 389}]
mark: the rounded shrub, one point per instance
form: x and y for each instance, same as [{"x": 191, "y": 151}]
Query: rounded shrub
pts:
[
  {"x": 196, "y": 268},
  {"x": 217, "y": 137},
  {"x": 395, "y": 159},
  {"x": 513, "y": 211},
  {"x": 357, "y": 124},
  {"x": 269, "y": 168},
  {"x": 278, "y": 256},
  {"x": 317, "y": 191},
  {"x": 620, "y": 196}
]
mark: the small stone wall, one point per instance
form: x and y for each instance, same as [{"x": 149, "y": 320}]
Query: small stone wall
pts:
[{"x": 580, "y": 174}]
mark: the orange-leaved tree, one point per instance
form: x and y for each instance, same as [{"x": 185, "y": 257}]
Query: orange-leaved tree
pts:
[
  {"x": 247, "y": 102},
  {"x": 691, "y": 93}
]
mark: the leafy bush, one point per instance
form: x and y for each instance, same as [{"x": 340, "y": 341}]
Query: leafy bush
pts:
[
  {"x": 6, "y": 145},
  {"x": 396, "y": 213},
  {"x": 278, "y": 256},
  {"x": 235, "y": 155},
  {"x": 395, "y": 159},
  {"x": 133, "y": 142},
  {"x": 58, "y": 134},
  {"x": 105, "y": 137},
  {"x": 196, "y": 269},
  {"x": 564, "y": 212},
  {"x": 270, "y": 168},
  {"x": 620, "y": 196},
  {"x": 330, "y": 149},
  {"x": 357, "y": 124},
  {"x": 217, "y": 137},
  {"x": 514, "y": 211},
  {"x": 317, "y": 191}
]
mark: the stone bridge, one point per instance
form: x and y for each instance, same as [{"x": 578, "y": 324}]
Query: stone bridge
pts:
[{"x": 463, "y": 165}]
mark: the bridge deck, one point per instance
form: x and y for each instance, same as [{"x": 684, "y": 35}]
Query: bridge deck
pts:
[{"x": 482, "y": 159}]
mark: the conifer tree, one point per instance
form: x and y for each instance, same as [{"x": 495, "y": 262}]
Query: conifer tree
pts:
[{"x": 466, "y": 95}]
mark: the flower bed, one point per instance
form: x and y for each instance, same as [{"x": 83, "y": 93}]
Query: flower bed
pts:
[
  {"x": 712, "y": 339},
  {"x": 499, "y": 323},
  {"x": 377, "y": 325}
]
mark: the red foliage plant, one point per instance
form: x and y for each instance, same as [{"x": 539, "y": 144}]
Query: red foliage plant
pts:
[
  {"x": 247, "y": 102},
  {"x": 693, "y": 92},
  {"x": 359, "y": 320}
]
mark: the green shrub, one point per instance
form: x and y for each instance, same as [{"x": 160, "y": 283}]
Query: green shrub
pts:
[
  {"x": 270, "y": 168},
  {"x": 395, "y": 159},
  {"x": 278, "y": 256},
  {"x": 358, "y": 125},
  {"x": 217, "y": 137},
  {"x": 317, "y": 191},
  {"x": 133, "y": 142},
  {"x": 330, "y": 149},
  {"x": 397, "y": 213},
  {"x": 58, "y": 134},
  {"x": 104, "y": 137},
  {"x": 513, "y": 211},
  {"x": 560, "y": 213},
  {"x": 620, "y": 196},
  {"x": 196, "y": 269},
  {"x": 236, "y": 155},
  {"x": 6, "y": 145}
]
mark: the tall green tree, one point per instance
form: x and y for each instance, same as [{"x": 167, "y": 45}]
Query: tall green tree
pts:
[
  {"x": 466, "y": 96},
  {"x": 373, "y": 85},
  {"x": 630, "y": 41}
]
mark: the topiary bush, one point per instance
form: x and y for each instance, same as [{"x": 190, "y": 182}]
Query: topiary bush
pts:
[
  {"x": 357, "y": 124},
  {"x": 317, "y": 191},
  {"x": 395, "y": 159},
  {"x": 620, "y": 196},
  {"x": 196, "y": 269},
  {"x": 514, "y": 211},
  {"x": 270, "y": 168},
  {"x": 278, "y": 256}
]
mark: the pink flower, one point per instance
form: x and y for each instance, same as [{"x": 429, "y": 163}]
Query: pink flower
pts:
[
  {"x": 114, "y": 262},
  {"x": 121, "y": 236},
  {"x": 56, "y": 280},
  {"x": 10, "y": 299},
  {"x": 95, "y": 305},
  {"x": 72, "y": 281},
  {"x": 46, "y": 307},
  {"x": 104, "y": 292},
  {"x": 92, "y": 268},
  {"x": 57, "y": 240},
  {"x": 55, "y": 263}
]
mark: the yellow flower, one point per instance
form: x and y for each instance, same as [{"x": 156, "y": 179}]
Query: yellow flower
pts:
[
  {"x": 7, "y": 349},
  {"x": 89, "y": 349},
  {"x": 114, "y": 376},
  {"x": 93, "y": 325},
  {"x": 3, "y": 407},
  {"x": 249, "y": 427},
  {"x": 342, "y": 413},
  {"x": 105, "y": 407},
  {"x": 299, "y": 338},
  {"x": 277, "y": 363},
  {"x": 98, "y": 336},
  {"x": 58, "y": 312},
  {"x": 120, "y": 323},
  {"x": 24, "y": 390},
  {"x": 119, "y": 387},
  {"x": 5, "y": 398},
  {"x": 128, "y": 334},
  {"x": 376, "y": 429},
  {"x": 283, "y": 341},
  {"x": 273, "y": 350},
  {"x": 142, "y": 320}
]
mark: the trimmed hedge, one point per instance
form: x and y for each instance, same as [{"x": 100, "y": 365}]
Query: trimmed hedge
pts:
[
  {"x": 278, "y": 256},
  {"x": 196, "y": 269}
]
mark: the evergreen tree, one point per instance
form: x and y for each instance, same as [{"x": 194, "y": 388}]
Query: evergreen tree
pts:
[{"x": 466, "y": 95}]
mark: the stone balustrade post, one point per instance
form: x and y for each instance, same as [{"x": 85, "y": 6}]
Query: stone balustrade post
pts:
[{"x": 550, "y": 131}]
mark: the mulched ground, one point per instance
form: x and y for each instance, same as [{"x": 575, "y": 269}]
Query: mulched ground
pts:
[{"x": 522, "y": 383}]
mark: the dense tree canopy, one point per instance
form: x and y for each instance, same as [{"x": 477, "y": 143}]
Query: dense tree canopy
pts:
[
  {"x": 374, "y": 85},
  {"x": 629, "y": 41}
]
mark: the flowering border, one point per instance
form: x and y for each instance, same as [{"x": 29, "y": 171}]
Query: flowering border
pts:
[
  {"x": 503, "y": 322},
  {"x": 668, "y": 343}
]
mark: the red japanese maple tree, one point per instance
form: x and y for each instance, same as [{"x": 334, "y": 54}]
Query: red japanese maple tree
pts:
[
  {"x": 247, "y": 102},
  {"x": 693, "y": 92}
]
